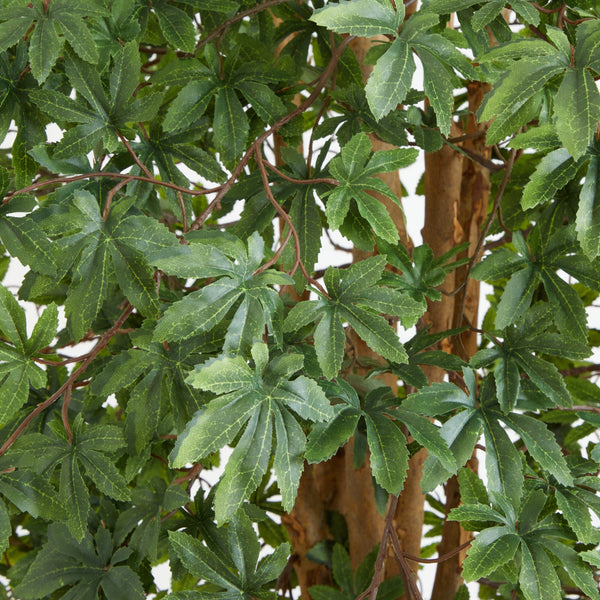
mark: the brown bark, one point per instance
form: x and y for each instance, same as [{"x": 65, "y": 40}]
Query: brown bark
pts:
[{"x": 471, "y": 213}]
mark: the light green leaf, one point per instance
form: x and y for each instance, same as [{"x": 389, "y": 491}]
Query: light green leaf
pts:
[
  {"x": 246, "y": 466},
  {"x": 190, "y": 105},
  {"x": 288, "y": 463},
  {"x": 330, "y": 341},
  {"x": 176, "y": 26},
  {"x": 389, "y": 455},
  {"x": 44, "y": 48},
  {"x": 212, "y": 428},
  {"x": 491, "y": 549},
  {"x": 554, "y": 171},
  {"x": 577, "y": 110},
  {"x": 390, "y": 80},
  {"x": 360, "y": 17}
]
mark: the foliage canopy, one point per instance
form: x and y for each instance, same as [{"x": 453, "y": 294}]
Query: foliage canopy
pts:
[{"x": 208, "y": 327}]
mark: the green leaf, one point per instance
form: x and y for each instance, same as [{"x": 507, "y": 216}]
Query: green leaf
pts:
[
  {"x": 230, "y": 125},
  {"x": 588, "y": 214},
  {"x": 577, "y": 514},
  {"x": 439, "y": 89},
  {"x": 44, "y": 48},
  {"x": 377, "y": 333},
  {"x": 391, "y": 78},
  {"x": 359, "y": 17},
  {"x": 492, "y": 548},
  {"x": 537, "y": 578},
  {"x": 326, "y": 438},
  {"x": 190, "y": 105},
  {"x": 176, "y": 26},
  {"x": 577, "y": 110},
  {"x": 246, "y": 466},
  {"x": 542, "y": 446},
  {"x": 517, "y": 296},
  {"x": 554, "y": 171},
  {"x": 502, "y": 461},
  {"x": 330, "y": 341},
  {"x": 389, "y": 455},
  {"x": 288, "y": 463}
]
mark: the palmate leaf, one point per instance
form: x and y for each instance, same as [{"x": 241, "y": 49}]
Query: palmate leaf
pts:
[
  {"x": 588, "y": 213},
  {"x": 533, "y": 334},
  {"x": 351, "y": 291},
  {"x": 105, "y": 114},
  {"x": 120, "y": 241},
  {"x": 85, "y": 566},
  {"x": 233, "y": 265},
  {"x": 354, "y": 170},
  {"x": 238, "y": 573},
  {"x": 86, "y": 454},
  {"x": 540, "y": 259},
  {"x": 45, "y": 44},
  {"x": 18, "y": 371},
  {"x": 157, "y": 379},
  {"x": 387, "y": 444},
  {"x": 251, "y": 399}
]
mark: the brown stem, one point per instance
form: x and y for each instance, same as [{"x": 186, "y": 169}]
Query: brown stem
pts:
[
  {"x": 42, "y": 406},
  {"x": 64, "y": 413},
  {"x": 495, "y": 208},
  {"x": 287, "y": 220},
  {"x": 441, "y": 558},
  {"x": 110, "y": 196},
  {"x": 131, "y": 151},
  {"x": 239, "y": 17},
  {"x": 70, "y": 179},
  {"x": 315, "y": 181},
  {"x": 239, "y": 168}
]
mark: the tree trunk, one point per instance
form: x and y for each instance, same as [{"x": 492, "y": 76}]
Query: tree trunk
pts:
[{"x": 469, "y": 215}]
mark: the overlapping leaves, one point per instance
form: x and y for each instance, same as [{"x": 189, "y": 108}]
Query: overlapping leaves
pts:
[
  {"x": 261, "y": 402},
  {"x": 474, "y": 414},
  {"x": 223, "y": 82},
  {"x": 233, "y": 572},
  {"x": 356, "y": 298},
  {"x": 95, "y": 248},
  {"x": 520, "y": 350},
  {"x": 354, "y": 170},
  {"x": 535, "y": 262},
  {"x": 238, "y": 287},
  {"x": 520, "y": 542},
  {"x": 100, "y": 116},
  {"x": 18, "y": 371},
  {"x": 387, "y": 444},
  {"x": 392, "y": 74},
  {"x": 60, "y": 16},
  {"x": 86, "y": 566},
  {"x": 88, "y": 451}
]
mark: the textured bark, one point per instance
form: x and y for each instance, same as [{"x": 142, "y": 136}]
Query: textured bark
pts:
[{"x": 471, "y": 213}]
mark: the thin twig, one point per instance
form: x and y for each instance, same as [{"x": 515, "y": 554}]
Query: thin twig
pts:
[
  {"x": 287, "y": 220},
  {"x": 239, "y": 168},
  {"x": 42, "y": 406},
  {"x": 218, "y": 32},
  {"x": 110, "y": 175},
  {"x": 111, "y": 194},
  {"x": 131, "y": 151},
  {"x": 64, "y": 413},
  {"x": 315, "y": 181}
]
